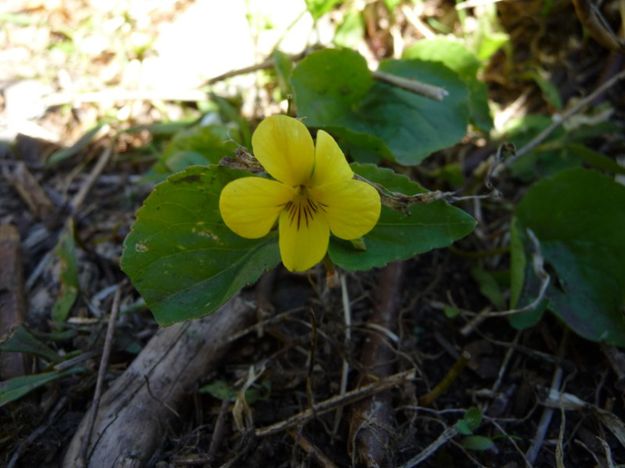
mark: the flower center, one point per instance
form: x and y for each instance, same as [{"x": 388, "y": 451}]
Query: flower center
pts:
[{"x": 303, "y": 208}]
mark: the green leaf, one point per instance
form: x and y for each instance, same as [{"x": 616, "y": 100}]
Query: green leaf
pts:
[
  {"x": 470, "y": 421},
  {"x": 180, "y": 255},
  {"x": 229, "y": 110},
  {"x": 563, "y": 150},
  {"x": 66, "y": 251},
  {"x": 283, "y": 65},
  {"x": 544, "y": 160},
  {"x": 579, "y": 218},
  {"x": 459, "y": 59},
  {"x": 81, "y": 144},
  {"x": 335, "y": 90},
  {"x": 518, "y": 263},
  {"x": 197, "y": 145},
  {"x": 449, "y": 52},
  {"x": 549, "y": 90},
  {"x": 451, "y": 312},
  {"x": 398, "y": 236},
  {"x": 21, "y": 341},
  {"x": 473, "y": 417},
  {"x": 525, "y": 285},
  {"x": 392, "y": 4},
  {"x": 318, "y": 8},
  {"x": 13, "y": 389},
  {"x": 221, "y": 390},
  {"x": 594, "y": 158},
  {"x": 489, "y": 43},
  {"x": 488, "y": 286},
  {"x": 451, "y": 173},
  {"x": 351, "y": 31},
  {"x": 478, "y": 443}
]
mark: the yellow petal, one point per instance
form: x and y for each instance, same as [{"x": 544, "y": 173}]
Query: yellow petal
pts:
[
  {"x": 352, "y": 208},
  {"x": 250, "y": 205},
  {"x": 284, "y": 147},
  {"x": 302, "y": 248},
  {"x": 330, "y": 163}
]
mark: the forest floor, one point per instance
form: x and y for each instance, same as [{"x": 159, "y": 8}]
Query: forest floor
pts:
[{"x": 546, "y": 396}]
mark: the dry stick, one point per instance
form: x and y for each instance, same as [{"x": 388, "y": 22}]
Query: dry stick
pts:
[
  {"x": 494, "y": 422},
  {"x": 579, "y": 105},
  {"x": 545, "y": 418},
  {"x": 75, "y": 204},
  {"x": 104, "y": 362},
  {"x": 435, "y": 93},
  {"x": 504, "y": 365},
  {"x": 340, "y": 400},
  {"x": 415, "y": 21},
  {"x": 218, "y": 432},
  {"x": 598, "y": 27},
  {"x": 608, "y": 453},
  {"x": 79, "y": 198},
  {"x": 372, "y": 419},
  {"x": 427, "y": 90},
  {"x": 560, "y": 443},
  {"x": 131, "y": 421},
  {"x": 31, "y": 192},
  {"x": 125, "y": 95},
  {"x": 347, "y": 315},
  {"x": 441, "y": 440},
  {"x": 311, "y": 449},
  {"x": 269, "y": 63}
]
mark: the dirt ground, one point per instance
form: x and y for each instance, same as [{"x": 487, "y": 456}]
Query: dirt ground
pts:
[{"x": 547, "y": 397}]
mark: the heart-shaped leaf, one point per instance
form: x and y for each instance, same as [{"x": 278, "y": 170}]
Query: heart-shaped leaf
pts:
[
  {"x": 579, "y": 218},
  {"x": 399, "y": 236},
  {"x": 180, "y": 255},
  {"x": 335, "y": 90}
]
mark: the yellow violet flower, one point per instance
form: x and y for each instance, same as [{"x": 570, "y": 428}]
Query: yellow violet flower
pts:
[{"x": 314, "y": 193}]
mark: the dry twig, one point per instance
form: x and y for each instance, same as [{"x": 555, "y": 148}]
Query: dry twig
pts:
[
  {"x": 347, "y": 316},
  {"x": 79, "y": 198},
  {"x": 104, "y": 362},
  {"x": 340, "y": 400},
  {"x": 311, "y": 449},
  {"x": 372, "y": 419},
  {"x": 448, "y": 434},
  {"x": 542, "y": 136},
  {"x": 547, "y": 414},
  {"x": 435, "y": 93}
]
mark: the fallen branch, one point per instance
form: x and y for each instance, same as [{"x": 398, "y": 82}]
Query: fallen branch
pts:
[
  {"x": 132, "y": 418},
  {"x": 12, "y": 305},
  {"x": 372, "y": 419}
]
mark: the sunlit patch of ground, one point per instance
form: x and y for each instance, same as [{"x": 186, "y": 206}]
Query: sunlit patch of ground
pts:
[{"x": 64, "y": 65}]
